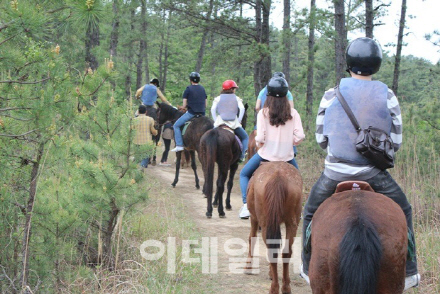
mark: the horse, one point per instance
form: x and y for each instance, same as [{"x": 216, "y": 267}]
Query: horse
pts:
[
  {"x": 191, "y": 138},
  {"x": 359, "y": 243},
  {"x": 274, "y": 197},
  {"x": 220, "y": 146},
  {"x": 252, "y": 146}
]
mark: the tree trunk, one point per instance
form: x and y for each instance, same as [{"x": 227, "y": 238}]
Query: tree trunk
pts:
[
  {"x": 311, "y": 61},
  {"x": 130, "y": 57},
  {"x": 108, "y": 233},
  {"x": 165, "y": 63},
  {"x": 266, "y": 68},
  {"x": 287, "y": 36},
  {"x": 399, "y": 48},
  {"x": 257, "y": 64},
  {"x": 341, "y": 40},
  {"x": 369, "y": 18},
  {"x": 204, "y": 37},
  {"x": 28, "y": 219},
  {"x": 142, "y": 47},
  {"x": 114, "y": 36},
  {"x": 92, "y": 40}
]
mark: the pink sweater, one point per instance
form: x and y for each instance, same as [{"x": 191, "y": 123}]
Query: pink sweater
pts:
[{"x": 278, "y": 141}]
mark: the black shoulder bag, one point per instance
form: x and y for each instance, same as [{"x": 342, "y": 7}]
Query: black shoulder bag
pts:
[{"x": 373, "y": 143}]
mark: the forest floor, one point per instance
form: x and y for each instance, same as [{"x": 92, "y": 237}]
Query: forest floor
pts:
[{"x": 229, "y": 235}]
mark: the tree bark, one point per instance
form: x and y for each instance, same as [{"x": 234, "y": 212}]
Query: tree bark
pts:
[
  {"x": 341, "y": 40},
  {"x": 311, "y": 61},
  {"x": 166, "y": 54},
  {"x": 266, "y": 68},
  {"x": 399, "y": 48},
  {"x": 287, "y": 36},
  {"x": 114, "y": 36},
  {"x": 130, "y": 57},
  {"x": 28, "y": 219},
  {"x": 92, "y": 40},
  {"x": 108, "y": 233},
  {"x": 257, "y": 64},
  {"x": 142, "y": 47},
  {"x": 369, "y": 16},
  {"x": 204, "y": 37}
]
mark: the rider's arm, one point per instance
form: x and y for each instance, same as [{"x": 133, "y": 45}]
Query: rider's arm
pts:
[
  {"x": 261, "y": 127},
  {"x": 326, "y": 101},
  {"x": 258, "y": 105},
  {"x": 139, "y": 92},
  {"x": 291, "y": 103},
  {"x": 152, "y": 128},
  {"x": 162, "y": 97},
  {"x": 396, "y": 125},
  {"x": 241, "y": 108},
  {"x": 185, "y": 102},
  {"x": 214, "y": 108}
]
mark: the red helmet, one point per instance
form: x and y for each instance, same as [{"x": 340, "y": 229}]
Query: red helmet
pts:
[{"x": 229, "y": 84}]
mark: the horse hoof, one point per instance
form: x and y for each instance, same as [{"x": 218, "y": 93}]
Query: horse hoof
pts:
[
  {"x": 214, "y": 205},
  {"x": 208, "y": 215},
  {"x": 222, "y": 215},
  {"x": 197, "y": 187},
  {"x": 229, "y": 208}
]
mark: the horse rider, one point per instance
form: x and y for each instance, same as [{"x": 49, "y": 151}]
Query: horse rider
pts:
[
  {"x": 227, "y": 105},
  {"x": 148, "y": 95},
  {"x": 195, "y": 100},
  {"x": 279, "y": 128},
  {"x": 378, "y": 107}
]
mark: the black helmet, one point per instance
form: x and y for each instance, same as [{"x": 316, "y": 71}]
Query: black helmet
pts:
[
  {"x": 277, "y": 87},
  {"x": 195, "y": 77},
  {"x": 278, "y": 74},
  {"x": 155, "y": 82},
  {"x": 364, "y": 56}
]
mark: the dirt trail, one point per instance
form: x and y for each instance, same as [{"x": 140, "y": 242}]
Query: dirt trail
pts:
[{"x": 227, "y": 279}]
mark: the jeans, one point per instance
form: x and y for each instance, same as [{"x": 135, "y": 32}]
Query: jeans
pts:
[
  {"x": 249, "y": 169},
  {"x": 244, "y": 138},
  {"x": 382, "y": 183},
  {"x": 145, "y": 162},
  {"x": 180, "y": 122}
]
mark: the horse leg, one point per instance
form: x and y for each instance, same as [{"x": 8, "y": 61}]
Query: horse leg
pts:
[
  {"x": 253, "y": 234},
  {"x": 275, "y": 286},
  {"x": 222, "y": 175},
  {"x": 232, "y": 171},
  {"x": 194, "y": 167},
  {"x": 176, "y": 177},
  {"x": 287, "y": 254}
]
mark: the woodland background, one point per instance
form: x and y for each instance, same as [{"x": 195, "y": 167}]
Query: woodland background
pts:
[{"x": 68, "y": 73}]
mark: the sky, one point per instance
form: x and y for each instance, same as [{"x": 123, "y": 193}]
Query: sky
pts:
[{"x": 425, "y": 19}]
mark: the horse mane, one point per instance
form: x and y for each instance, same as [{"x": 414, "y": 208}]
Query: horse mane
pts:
[
  {"x": 275, "y": 196},
  {"x": 360, "y": 256},
  {"x": 169, "y": 111}
]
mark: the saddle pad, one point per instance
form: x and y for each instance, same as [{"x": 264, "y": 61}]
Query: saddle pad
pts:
[
  {"x": 185, "y": 126},
  {"x": 239, "y": 142}
]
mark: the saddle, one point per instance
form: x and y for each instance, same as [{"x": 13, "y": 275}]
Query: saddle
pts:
[
  {"x": 353, "y": 185},
  {"x": 185, "y": 126},
  {"x": 227, "y": 128}
]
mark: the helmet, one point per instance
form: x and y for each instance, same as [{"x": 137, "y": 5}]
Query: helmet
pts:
[
  {"x": 229, "y": 84},
  {"x": 155, "y": 82},
  {"x": 277, "y": 87},
  {"x": 195, "y": 77},
  {"x": 278, "y": 74},
  {"x": 363, "y": 56}
]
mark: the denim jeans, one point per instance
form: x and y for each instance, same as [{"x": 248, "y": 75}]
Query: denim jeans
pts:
[
  {"x": 180, "y": 122},
  {"x": 244, "y": 138},
  {"x": 382, "y": 183},
  {"x": 145, "y": 161},
  {"x": 249, "y": 169}
]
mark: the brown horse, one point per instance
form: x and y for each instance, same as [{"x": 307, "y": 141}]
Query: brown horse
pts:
[
  {"x": 252, "y": 146},
  {"x": 359, "y": 244},
  {"x": 191, "y": 138},
  {"x": 274, "y": 197}
]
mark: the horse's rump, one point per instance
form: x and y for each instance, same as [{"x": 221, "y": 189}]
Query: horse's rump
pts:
[{"x": 359, "y": 244}]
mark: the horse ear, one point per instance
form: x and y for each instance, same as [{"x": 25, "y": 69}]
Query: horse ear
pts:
[{"x": 246, "y": 106}]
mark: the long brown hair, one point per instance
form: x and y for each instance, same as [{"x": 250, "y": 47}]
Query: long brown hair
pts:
[{"x": 278, "y": 109}]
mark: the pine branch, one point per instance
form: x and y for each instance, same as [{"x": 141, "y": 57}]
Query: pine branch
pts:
[
  {"x": 20, "y": 82},
  {"x": 14, "y": 108},
  {"x": 1, "y": 43},
  {"x": 4, "y": 26},
  {"x": 17, "y": 136}
]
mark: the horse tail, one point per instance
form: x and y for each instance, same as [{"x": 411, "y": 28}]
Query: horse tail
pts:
[
  {"x": 361, "y": 253},
  {"x": 210, "y": 156},
  {"x": 275, "y": 196}
]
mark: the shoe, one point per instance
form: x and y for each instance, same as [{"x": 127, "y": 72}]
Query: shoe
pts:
[
  {"x": 244, "y": 212},
  {"x": 164, "y": 164},
  {"x": 241, "y": 160},
  {"x": 412, "y": 281},
  {"x": 177, "y": 149},
  {"x": 303, "y": 274}
]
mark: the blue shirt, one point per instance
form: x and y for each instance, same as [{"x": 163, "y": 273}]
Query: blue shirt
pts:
[
  {"x": 196, "y": 99},
  {"x": 149, "y": 95},
  {"x": 263, "y": 95}
]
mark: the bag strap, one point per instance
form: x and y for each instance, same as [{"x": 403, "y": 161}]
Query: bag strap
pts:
[{"x": 347, "y": 109}]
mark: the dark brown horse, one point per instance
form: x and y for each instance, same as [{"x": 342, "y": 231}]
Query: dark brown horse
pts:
[
  {"x": 274, "y": 197},
  {"x": 359, "y": 244},
  {"x": 191, "y": 138},
  {"x": 220, "y": 146}
]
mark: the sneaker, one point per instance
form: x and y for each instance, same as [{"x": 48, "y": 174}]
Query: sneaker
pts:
[
  {"x": 241, "y": 160},
  {"x": 164, "y": 163},
  {"x": 244, "y": 212},
  {"x": 412, "y": 281},
  {"x": 303, "y": 275},
  {"x": 177, "y": 149}
]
